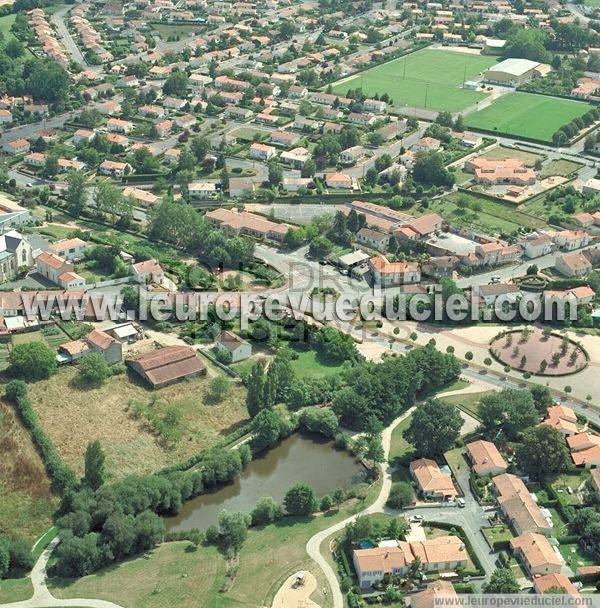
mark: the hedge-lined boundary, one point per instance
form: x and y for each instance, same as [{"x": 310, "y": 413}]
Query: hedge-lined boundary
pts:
[{"x": 61, "y": 474}]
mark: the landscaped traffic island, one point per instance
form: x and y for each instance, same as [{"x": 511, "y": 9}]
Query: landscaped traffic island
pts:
[{"x": 543, "y": 353}]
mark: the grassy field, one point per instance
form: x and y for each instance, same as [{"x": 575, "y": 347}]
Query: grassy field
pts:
[
  {"x": 107, "y": 413},
  {"x": 429, "y": 79},
  {"x": 527, "y": 115},
  {"x": 502, "y": 152},
  {"x": 490, "y": 217},
  {"x": 166, "y": 31},
  {"x": 27, "y": 502},
  {"x": 561, "y": 167},
  {"x": 172, "y": 575}
]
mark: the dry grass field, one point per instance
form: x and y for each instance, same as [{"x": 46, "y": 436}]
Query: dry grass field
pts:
[
  {"x": 73, "y": 415},
  {"x": 26, "y": 500}
]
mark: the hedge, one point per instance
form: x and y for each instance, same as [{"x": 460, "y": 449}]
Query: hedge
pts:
[
  {"x": 198, "y": 458},
  {"x": 61, "y": 474}
]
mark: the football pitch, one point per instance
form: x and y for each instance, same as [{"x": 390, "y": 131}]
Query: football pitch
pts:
[
  {"x": 527, "y": 115},
  {"x": 430, "y": 79}
]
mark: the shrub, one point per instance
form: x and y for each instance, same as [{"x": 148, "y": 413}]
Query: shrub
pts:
[{"x": 32, "y": 361}]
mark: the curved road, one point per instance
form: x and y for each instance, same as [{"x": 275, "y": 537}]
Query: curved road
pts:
[
  {"x": 314, "y": 543},
  {"x": 42, "y": 598}
]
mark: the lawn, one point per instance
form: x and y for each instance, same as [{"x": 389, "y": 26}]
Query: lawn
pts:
[
  {"x": 309, "y": 365},
  {"x": 469, "y": 402},
  {"x": 27, "y": 502},
  {"x": 429, "y": 79},
  {"x": 6, "y": 23},
  {"x": 527, "y": 115},
  {"x": 108, "y": 413},
  {"x": 575, "y": 557},
  {"x": 569, "y": 480},
  {"x": 456, "y": 460},
  {"x": 15, "y": 590},
  {"x": 399, "y": 446},
  {"x": 172, "y": 575},
  {"x": 561, "y": 528},
  {"x": 497, "y": 534}
]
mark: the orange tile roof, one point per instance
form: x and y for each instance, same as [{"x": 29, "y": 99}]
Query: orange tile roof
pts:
[
  {"x": 545, "y": 583},
  {"x": 536, "y": 550},
  {"x": 484, "y": 454},
  {"x": 430, "y": 478}
]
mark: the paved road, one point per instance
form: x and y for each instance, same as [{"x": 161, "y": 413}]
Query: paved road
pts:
[
  {"x": 305, "y": 274},
  {"x": 58, "y": 19},
  {"x": 42, "y": 598},
  {"x": 511, "y": 272}
]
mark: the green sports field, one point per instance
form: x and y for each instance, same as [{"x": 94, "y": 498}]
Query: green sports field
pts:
[
  {"x": 527, "y": 115},
  {"x": 429, "y": 79}
]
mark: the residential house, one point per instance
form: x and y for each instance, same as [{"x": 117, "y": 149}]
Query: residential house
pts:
[
  {"x": 500, "y": 171},
  {"x": 440, "y": 267},
  {"x": 83, "y": 136},
  {"x": 243, "y": 222},
  {"x": 537, "y": 246},
  {"x": 388, "y": 274},
  {"x": 262, "y": 151},
  {"x": 114, "y": 168},
  {"x": 285, "y": 138},
  {"x": 16, "y": 147},
  {"x": 202, "y": 189},
  {"x": 436, "y": 593},
  {"x": 148, "y": 271},
  {"x": 538, "y": 555},
  {"x": 562, "y": 418},
  {"x": 140, "y": 197},
  {"x": 485, "y": 458},
  {"x": 394, "y": 558},
  {"x": 550, "y": 583},
  {"x": 339, "y": 181},
  {"x": 296, "y": 157},
  {"x": 585, "y": 449},
  {"x": 71, "y": 250},
  {"x": 116, "y": 125},
  {"x": 427, "y": 144},
  {"x": 518, "y": 505},
  {"x": 488, "y": 294},
  {"x": 168, "y": 365},
  {"x": 570, "y": 240},
  {"x": 352, "y": 155},
  {"x": 238, "y": 348},
  {"x": 433, "y": 483},
  {"x": 35, "y": 159},
  {"x": 372, "y": 238},
  {"x": 573, "y": 264},
  {"x": 97, "y": 341}
]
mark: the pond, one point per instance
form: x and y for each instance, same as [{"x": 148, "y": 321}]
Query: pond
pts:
[{"x": 296, "y": 459}]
